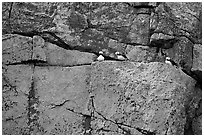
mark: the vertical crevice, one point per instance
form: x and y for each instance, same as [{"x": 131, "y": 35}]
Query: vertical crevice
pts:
[
  {"x": 188, "y": 130},
  {"x": 33, "y": 101},
  {"x": 87, "y": 124},
  {"x": 10, "y": 10},
  {"x": 9, "y": 16}
]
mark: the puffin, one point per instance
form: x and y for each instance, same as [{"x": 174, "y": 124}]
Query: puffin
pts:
[
  {"x": 170, "y": 61},
  {"x": 120, "y": 56},
  {"x": 100, "y": 57}
]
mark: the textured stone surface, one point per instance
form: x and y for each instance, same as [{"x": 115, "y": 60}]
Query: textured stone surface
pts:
[
  {"x": 61, "y": 57},
  {"x": 16, "y": 84},
  {"x": 71, "y": 95},
  {"x": 58, "y": 90},
  {"x": 182, "y": 52},
  {"x": 197, "y": 57},
  {"x": 197, "y": 125},
  {"x": 38, "y": 49},
  {"x": 16, "y": 48},
  {"x": 44, "y": 100},
  {"x": 149, "y": 96},
  {"x": 126, "y": 96},
  {"x": 140, "y": 53},
  {"x": 139, "y": 32}
]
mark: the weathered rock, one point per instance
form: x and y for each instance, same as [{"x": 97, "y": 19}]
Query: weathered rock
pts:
[
  {"x": 127, "y": 97},
  {"x": 61, "y": 90},
  {"x": 140, "y": 53},
  {"x": 107, "y": 97},
  {"x": 186, "y": 13},
  {"x": 139, "y": 32},
  {"x": 137, "y": 95},
  {"x": 16, "y": 48},
  {"x": 196, "y": 113},
  {"x": 181, "y": 53},
  {"x": 197, "y": 57},
  {"x": 61, "y": 57},
  {"x": 197, "y": 125},
  {"x": 181, "y": 20},
  {"x": 44, "y": 100},
  {"x": 19, "y": 49},
  {"x": 160, "y": 36},
  {"x": 114, "y": 44},
  {"x": 177, "y": 18},
  {"x": 16, "y": 84},
  {"x": 38, "y": 49}
]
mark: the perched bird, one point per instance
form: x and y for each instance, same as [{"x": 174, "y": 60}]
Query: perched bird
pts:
[
  {"x": 100, "y": 57},
  {"x": 120, "y": 56},
  {"x": 170, "y": 61}
]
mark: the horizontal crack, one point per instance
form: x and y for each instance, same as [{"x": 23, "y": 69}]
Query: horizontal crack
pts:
[
  {"x": 84, "y": 64},
  {"x": 34, "y": 62},
  {"x": 54, "y": 39},
  {"x": 72, "y": 110},
  {"x": 12, "y": 118},
  {"x": 102, "y": 129},
  {"x": 43, "y": 63}
]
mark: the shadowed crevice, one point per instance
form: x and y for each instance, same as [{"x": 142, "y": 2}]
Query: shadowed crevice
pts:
[
  {"x": 54, "y": 39},
  {"x": 43, "y": 63}
]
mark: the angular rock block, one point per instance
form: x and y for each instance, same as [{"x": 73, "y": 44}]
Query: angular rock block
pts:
[
  {"x": 139, "y": 32},
  {"x": 197, "y": 57},
  {"x": 61, "y": 57},
  {"x": 38, "y": 49},
  {"x": 140, "y": 96},
  {"x": 16, "y": 49},
  {"x": 140, "y": 53},
  {"x": 197, "y": 125},
  {"x": 16, "y": 84},
  {"x": 61, "y": 90},
  {"x": 44, "y": 100}
]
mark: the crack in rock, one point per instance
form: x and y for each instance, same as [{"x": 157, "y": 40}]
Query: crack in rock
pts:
[
  {"x": 32, "y": 104},
  {"x": 43, "y": 63},
  {"x": 12, "y": 118},
  {"x": 87, "y": 125},
  {"x": 54, "y": 39},
  {"x": 29, "y": 62},
  {"x": 59, "y": 105},
  {"x": 119, "y": 125}
]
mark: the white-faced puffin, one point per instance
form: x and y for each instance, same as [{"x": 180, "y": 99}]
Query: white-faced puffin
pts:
[
  {"x": 170, "y": 61},
  {"x": 100, "y": 57},
  {"x": 120, "y": 56}
]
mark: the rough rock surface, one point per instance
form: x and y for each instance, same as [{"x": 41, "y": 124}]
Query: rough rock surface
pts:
[
  {"x": 57, "y": 56},
  {"x": 40, "y": 100},
  {"x": 141, "y": 53},
  {"x": 52, "y": 84},
  {"x": 197, "y": 125},
  {"x": 138, "y": 95},
  {"x": 197, "y": 57},
  {"x": 56, "y": 94},
  {"x": 60, "y": 90},
  {"x": 16, "y": 84},
  {"x": 16, "y": 48}
]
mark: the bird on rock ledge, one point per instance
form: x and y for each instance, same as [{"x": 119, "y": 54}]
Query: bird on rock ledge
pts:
[
  {"x": 120, "y": 56},
  {"x": 100, "y": 57},
  {"x": 170, "y": 61}
]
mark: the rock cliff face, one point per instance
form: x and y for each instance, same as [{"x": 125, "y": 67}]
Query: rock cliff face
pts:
[{"x": 52, "y": 83}]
